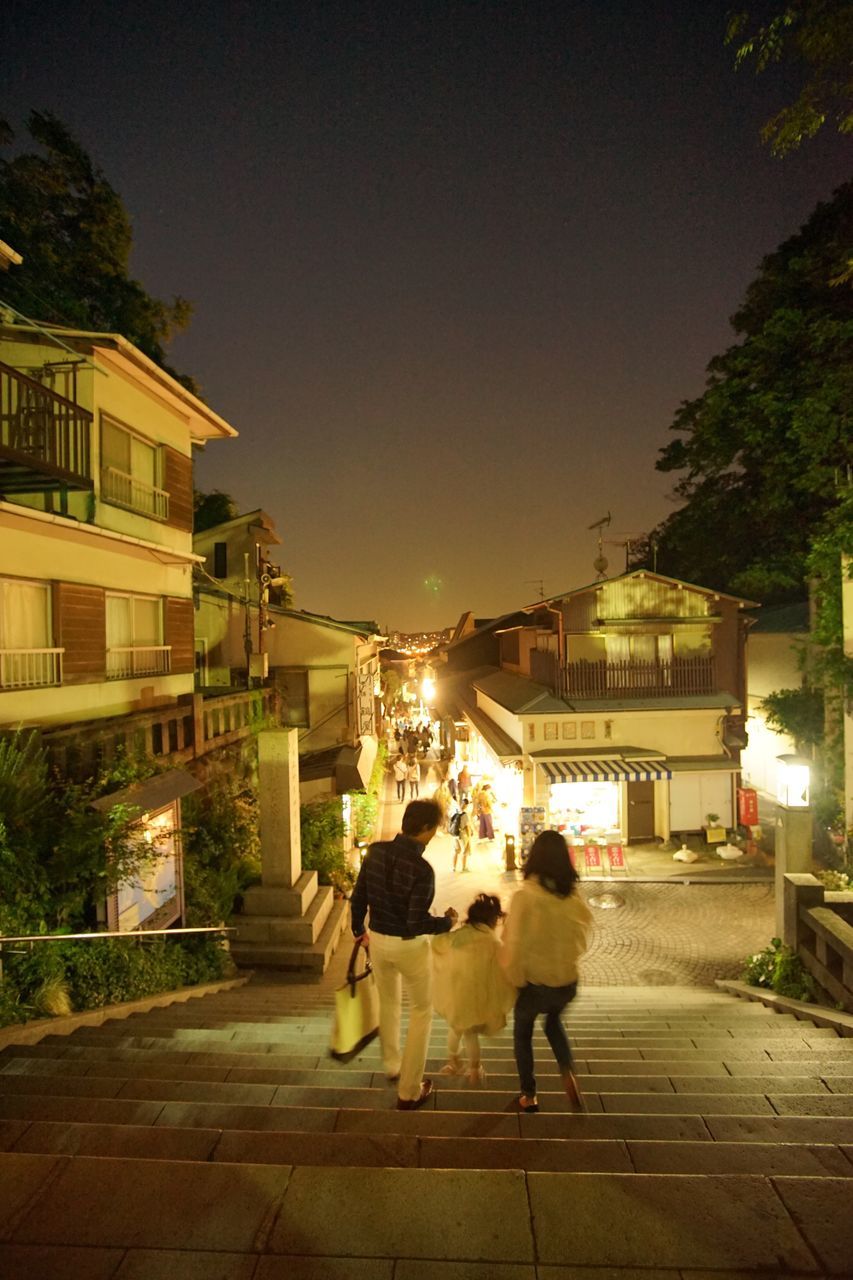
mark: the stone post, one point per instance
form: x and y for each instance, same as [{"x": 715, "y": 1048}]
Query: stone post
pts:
[
  {"x": 797, "y": 891},
  {"x": 793, "y": 853},
  {"x": 278, "y": 787}
]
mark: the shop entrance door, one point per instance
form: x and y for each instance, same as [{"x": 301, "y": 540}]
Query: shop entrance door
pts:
[{"x": 641, "y": 810}]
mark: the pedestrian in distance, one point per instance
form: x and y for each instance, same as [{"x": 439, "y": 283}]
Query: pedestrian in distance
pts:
[
  {"x": 546, "y": 934},
  {"x": 401, "y": 773},
  {"x": 462, "y": 829},
  {"x": 463, "y": 782},
  {"x": 444, "y": 800},
  {"x": 394, "y": 893},
  {"x": 425, "y": 739},
  {"x": 472, "y": 992},
  {"x": 413, "y": 774},
  {"x": 485, "y": 804}
]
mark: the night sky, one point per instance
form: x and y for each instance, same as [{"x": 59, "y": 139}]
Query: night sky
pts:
[{"x": 454, "y": 265}]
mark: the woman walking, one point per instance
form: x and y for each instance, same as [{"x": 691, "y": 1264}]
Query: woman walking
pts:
[{"x": 546, "y": 934}]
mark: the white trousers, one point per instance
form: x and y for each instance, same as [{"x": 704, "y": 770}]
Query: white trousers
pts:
[{"x": 405, "y": 962}]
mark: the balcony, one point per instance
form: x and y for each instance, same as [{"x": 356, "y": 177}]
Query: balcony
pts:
[
  {"x": 674, "y": 677},
  {"x": 124, "y": 490},
  {"x": 149, "y": 660},
  {"x": 30, "y": 668},
  {"x": 44, "y": 438}
]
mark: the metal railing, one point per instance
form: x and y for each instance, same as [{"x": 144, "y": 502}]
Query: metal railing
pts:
[
  {"x": 637, "y": 679},
  {"x": 127, "y": 491},
  {"x": 30, "y": 668},
  {"x": 39, "y": 427},
  {"x": 138, "y": 660}
]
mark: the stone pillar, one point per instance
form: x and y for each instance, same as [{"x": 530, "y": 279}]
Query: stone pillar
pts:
[
  {"x": 278, "y": 789},
  {"x": 793, "y": 853},
  {"x": 797, "y": 891}
]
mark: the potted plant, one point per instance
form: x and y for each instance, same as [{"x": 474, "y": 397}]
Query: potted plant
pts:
[{"x": 714, "y": 833}]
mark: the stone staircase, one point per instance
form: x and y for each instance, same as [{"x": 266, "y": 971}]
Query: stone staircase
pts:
[{"x": 216, "y": 1139}]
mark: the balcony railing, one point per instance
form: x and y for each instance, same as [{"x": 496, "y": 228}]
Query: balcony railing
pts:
[
  {"x": 43, "y": 436},
  {"x": 127, "y": 491},
  {"x": 148, "y": 660},
  {"x": 675, "y": 677},
  {"x": 30, "y": 668}
]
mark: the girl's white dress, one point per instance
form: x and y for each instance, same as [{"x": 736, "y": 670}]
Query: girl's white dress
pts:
[{"x": 470, "y": 989}]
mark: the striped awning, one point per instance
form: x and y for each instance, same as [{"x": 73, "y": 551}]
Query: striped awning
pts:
[{"x": 605, "y": 770}]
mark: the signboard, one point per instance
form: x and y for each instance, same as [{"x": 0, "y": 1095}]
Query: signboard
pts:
[
  {"x": 747, "y": 806},
  {"x": 531, "y": 820},
  {"x": 592, "y": 857},
  {"x": 616, "y": 857}
]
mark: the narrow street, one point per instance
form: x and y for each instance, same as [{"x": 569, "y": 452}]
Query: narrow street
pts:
[{"x": 663, "y": 934}]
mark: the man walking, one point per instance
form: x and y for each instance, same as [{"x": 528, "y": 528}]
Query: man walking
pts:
[{"x": 396, "y": 885}]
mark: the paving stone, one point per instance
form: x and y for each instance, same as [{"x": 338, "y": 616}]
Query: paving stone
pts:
[
  {"x": 660, "y": 1067},
  {"x": 154, "y": 1264},
  {"x": 817, "y": 1129},
  {"x": 212, "y": 1115},
  {"x": 350, "y": 1149},
  {"x": 292, "y": 1268},
  {"x": 836, "y": 1084},
  {"x": 678, "y": 1128},
  {"x": 449, "y": 1214},
  {"x": 811, "y": 1104},
  {"x": 61, "y": 1086},
  {"x": 455, "y": 1124},
  {"x": 84, "y": 1110},
  {"x": 750, "y": 1104},
  {"x": 338, "y": 1078},
  {"x": 618, "y": 1220},
  {"x": 258, "y": 1095},
  {"x": 822, "y": 1211},
  {"x": 57, "y": 1262},
  {"x": 156, "y": 1204},
  {"x": 264, "y": 1060},
  {"x": 543, "y": 1154},
  {"x": 800, "y": 1068},
  {"x": 22, "y": 1178},
  {"x": 764, "y": 1158},
  {"x": 756, "y": 1084},
  {"x": 10, "y": 1132},
  {"x": 416, "y": 1269},
  {"x": 137, "y": 1141},
  {"x": 42, "y": 1067},
  {"x": 448, "y": 1099}
]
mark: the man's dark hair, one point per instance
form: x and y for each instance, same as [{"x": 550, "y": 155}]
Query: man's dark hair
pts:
[
  {"x": 550, "y": 862},
  {"x": 420, "y": 815}
]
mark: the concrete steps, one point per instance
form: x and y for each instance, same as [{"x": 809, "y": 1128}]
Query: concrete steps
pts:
[{"x": 218, "y": 1138}]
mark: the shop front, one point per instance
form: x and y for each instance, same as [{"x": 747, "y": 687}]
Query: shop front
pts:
[{"x": 605, "y": 800}]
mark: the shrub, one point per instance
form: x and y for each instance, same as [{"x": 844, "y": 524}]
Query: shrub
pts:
[
  {"x": 779, "y": 969},
  {"x": 221, "y": 847}
]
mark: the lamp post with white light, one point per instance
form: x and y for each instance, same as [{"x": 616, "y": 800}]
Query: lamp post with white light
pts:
[{"x": 793, "y": 824}]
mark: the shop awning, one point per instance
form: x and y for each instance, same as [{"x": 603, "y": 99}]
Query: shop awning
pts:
[{"x": 614, "y": 770}]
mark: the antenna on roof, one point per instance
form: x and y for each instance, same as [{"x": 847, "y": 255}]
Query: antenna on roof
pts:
[
  {"x": 600, "y": 562},
  {"x": 538, "y": 583}
]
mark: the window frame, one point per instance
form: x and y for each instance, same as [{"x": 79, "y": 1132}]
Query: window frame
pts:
[{"x": 158, "y": 493}]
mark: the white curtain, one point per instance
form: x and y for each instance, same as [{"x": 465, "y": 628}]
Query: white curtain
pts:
[
  {"x": 119, "y": 627},
  {"x": 24, "y": 615}
]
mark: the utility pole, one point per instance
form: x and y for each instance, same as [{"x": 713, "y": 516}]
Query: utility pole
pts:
[{"x": 247, "y": 629}]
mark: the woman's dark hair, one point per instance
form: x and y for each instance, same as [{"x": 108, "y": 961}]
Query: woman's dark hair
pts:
[
  {"x": 420, "y": 815},
  {"x": 550, "y": 862},
  {"x": 485, "y": 909}
]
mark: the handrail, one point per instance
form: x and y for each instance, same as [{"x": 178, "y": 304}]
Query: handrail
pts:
[{"x": 135, "y": 934}]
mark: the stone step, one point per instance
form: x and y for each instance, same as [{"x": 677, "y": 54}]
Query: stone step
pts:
[
  {"x": 297, "y": 931},
  {"x": 411, "y": 1150},
  {"x": 311, "y": 957}
]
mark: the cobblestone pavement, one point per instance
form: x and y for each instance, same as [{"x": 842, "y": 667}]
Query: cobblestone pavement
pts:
[{"x": 664, "y": 934}]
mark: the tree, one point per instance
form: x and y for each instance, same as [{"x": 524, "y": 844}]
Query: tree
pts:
[
  {"x": 58, "y": 210},
  {"x": 763, "y": 449},
  {"x": 815, "y": 36},
  {"x": 210, "y": 509}
]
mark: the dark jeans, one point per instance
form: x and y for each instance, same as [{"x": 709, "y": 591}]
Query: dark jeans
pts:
[
  {"x": 401, "y": 790},
  {"x": 532, "y": 1001}
]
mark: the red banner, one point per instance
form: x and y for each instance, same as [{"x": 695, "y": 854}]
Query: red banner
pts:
[
  {"x": 592, "y": 856},
  {"x": 747, "y": 806},
  {"x": 616, "y": 857}
]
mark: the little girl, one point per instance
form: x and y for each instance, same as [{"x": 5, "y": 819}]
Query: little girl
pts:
[{"x": 470, "y": 989}]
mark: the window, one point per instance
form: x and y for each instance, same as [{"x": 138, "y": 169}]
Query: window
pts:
[
  {"x": 552, "y": 730},
  {"x": 130, "y": 471},
  {"x": 293, "y": 687},
  {"x": 27, "y": 659},
  {"x": 587, "y": 728},
  {"x": 135, "y": 637},
  {"x": 570, "y": 729},
  {"x": 220, "y": 559},
  {"x": 531, "y": 733}
]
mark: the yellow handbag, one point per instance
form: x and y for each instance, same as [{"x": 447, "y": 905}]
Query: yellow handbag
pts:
[{"x": 356, "y": 1020}]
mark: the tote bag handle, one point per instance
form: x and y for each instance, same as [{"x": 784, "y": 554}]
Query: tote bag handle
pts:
[{"x": 352, "y": 976}]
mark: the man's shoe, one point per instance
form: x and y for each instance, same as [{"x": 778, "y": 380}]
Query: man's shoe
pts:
[
  {"x": 412, "y": 1104},
  {"x": 528, "y": 1105}
]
